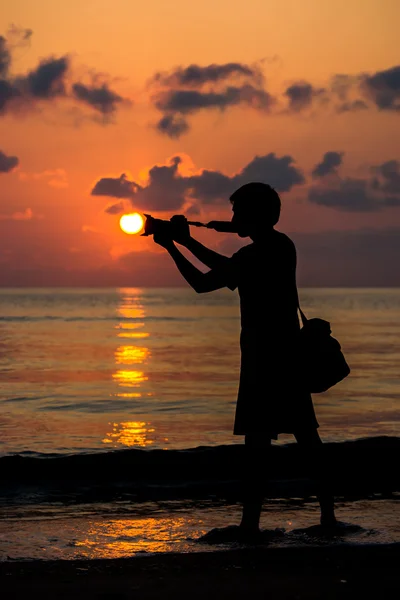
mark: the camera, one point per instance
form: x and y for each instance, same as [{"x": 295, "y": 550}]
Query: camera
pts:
[{"x": 178, "y": 226}]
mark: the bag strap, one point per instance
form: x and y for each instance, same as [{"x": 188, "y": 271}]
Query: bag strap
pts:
[{"x": 303, "y": 316}]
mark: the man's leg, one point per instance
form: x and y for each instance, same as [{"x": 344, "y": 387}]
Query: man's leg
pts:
[
  {"x": 314, "y": 453},
  {"x": 257, "y": 453}
]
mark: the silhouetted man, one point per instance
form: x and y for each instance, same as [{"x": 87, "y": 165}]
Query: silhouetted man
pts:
[{"x": 270, "y": 397}]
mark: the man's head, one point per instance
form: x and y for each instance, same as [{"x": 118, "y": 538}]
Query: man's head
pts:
[{"x": 256, "y": 207}]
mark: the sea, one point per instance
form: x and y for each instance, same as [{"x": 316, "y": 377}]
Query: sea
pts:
[{"x": 116, "y": 420}]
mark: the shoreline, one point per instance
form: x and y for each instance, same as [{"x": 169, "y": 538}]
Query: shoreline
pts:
[{"x": 341, "y": 571}]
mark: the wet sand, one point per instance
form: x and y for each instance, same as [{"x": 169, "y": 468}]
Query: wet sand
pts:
[{"x": 359, "y": 571}]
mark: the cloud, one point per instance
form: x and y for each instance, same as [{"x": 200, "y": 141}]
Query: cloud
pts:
[
  {"x": 387, "y": 177},
  {"x": 197, "y": 76},
  {"x": 349, "y": 93},
  {"x": 167, "y": 189},
  {"x": 382, "y": 190},
  {"x": 115, "y": 209},
  {"x": 183, "y": 92},
  {"x": 52, "y": 78},
  {"x": 348, "y": 194},
  {"x": 301, "y": 95},
  {"x": 365, "y": 258},
  {"x": 280, "y": 173},
  {"x": 47, "y": 80},
  {"x": 363, "y": 90},
  {"x": 5, "y": 57},
  {"x": 115, "y": 187},
  {"x": 7, "y": 163},
  {"x": 172, "y": 126},
  {"x": 352, "y": 106},
  {"x": 187, "y": 90},
  {"x": 383, "y": 87},
  {"x": 190, "y": 101},
  {"x": 328, "y": 165},
  {"x": 101, "y": 98}
]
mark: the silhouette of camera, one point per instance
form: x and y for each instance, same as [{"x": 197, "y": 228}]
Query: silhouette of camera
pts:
[{"x": 177, "y": 226}]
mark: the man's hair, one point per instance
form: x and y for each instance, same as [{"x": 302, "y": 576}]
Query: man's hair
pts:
[{"x": 258, "y": 199}]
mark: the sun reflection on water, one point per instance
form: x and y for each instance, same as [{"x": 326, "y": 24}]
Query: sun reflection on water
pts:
[
  {"x": 128, "y": 355},
  {"x": 122, "y": 537},
  {"x": 127, "y": 378},
  {"x": 130, "y": 307},
  {"x": 129, "y": 434},
  {"x": 126, "y": 330}
]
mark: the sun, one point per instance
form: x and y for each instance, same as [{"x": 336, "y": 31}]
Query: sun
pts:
[{"x": 131, "y": 223}]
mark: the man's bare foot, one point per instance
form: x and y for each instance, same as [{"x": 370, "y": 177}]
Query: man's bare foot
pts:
[
  {"x": 232, "y": 533},
  {"x": 329, "y": 522}
]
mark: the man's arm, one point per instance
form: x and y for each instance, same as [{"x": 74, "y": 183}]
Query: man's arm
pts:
[
  {"x": 208, "y": 257},
  {"x": 199, "y": 281}
]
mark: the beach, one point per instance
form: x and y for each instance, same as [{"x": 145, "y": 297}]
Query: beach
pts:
[{"x": 297, "y": 573}]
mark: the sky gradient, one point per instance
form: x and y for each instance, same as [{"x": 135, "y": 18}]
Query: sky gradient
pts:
[{"x": 108, "y": 107}]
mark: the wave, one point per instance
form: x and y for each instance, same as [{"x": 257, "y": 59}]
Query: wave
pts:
[
  {"x": 29, "y": 319},
  {"x": 115, "y": 319},
  {"x": 358, "y": 468}
]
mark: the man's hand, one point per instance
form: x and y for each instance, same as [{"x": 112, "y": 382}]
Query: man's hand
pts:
[
  {"x": 163, "y": 240},
  {"x": 181, "y": 229}
]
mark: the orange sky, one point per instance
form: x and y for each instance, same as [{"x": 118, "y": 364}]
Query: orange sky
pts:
[{"x": 264, "y": 84}]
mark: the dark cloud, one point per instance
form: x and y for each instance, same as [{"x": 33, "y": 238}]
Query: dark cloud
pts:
[
  {"x": 172, "y": 126},
  {"x": 5, "y": 57},
  {"x": 115, "y": 209},
  {"x": 167, "y": 189},
  {"x": 341, "y": 84},
  {"x": 100, "y": 97},
  {"x": 7, "y": 163},
  {"x": 301, "y": 95},
  {"x": 352, "y": 106},
  {"x": 349, "y": 194},
  {"x": 364, "y": 258},
  {"x": 191, "y": 101},
  {"x": 47, "y": 80},
  {"x": 383, "y": 88},
  {"x": 361, "y": 195},
  {"x": 186, "y": 91},
  {"x": 387, "y": 177},
  {"x": 51, "y": 79},
  {"x": 118, "y": 187},
  {"x": 7, "y": 92},
  {"x": 280, "y": 173},
  {"x": 197, "y": 76},
  {"x": 356, "y": 92},
  {"x": 329, "y": 164}
]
